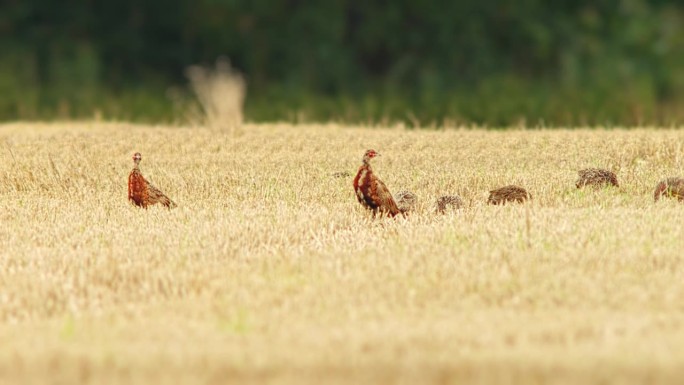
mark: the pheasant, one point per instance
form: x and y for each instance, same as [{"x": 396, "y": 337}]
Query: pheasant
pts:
[
  {"x": 508, "y": 194},
  {"x": 371, "y": 192},
  {"x": 341, "y": 174},
  {"x": 406, "y": 201},
  {"x": 596, "y": 177},
  {"x": 141, "y": 192},
  {"x": 446, "y": 201},
  {"x": 671, "y": 188}
]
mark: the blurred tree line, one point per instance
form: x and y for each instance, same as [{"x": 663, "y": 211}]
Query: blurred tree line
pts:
[{"x": 469, "y": 61}]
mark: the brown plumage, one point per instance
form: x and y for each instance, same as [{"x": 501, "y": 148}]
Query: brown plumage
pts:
[
  {"x": 670, "y": 188},
  {"x": 448, "y": 201},
  {"x": 371, "y": 192},
  {"x": 406, "y": 201},
  {"x": 141, "y": 192},
  {"x": 341, "y": 174},
  {"x": 596, "y": 177},
  {"x": 508, "y": 194}
]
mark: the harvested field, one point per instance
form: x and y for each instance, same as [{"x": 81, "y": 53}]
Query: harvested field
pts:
[{"x": 270, "y": 271}]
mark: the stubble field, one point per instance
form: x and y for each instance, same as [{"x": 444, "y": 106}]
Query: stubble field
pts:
[{"x": 269, "y": 271}]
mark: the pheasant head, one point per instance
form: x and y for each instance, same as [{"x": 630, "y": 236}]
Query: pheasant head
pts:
[
  {"x": 136, "y": 158},
  {"x": 370, "y": 154}
]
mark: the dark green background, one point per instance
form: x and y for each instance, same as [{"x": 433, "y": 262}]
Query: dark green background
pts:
[{"x": 474, "y": 61}]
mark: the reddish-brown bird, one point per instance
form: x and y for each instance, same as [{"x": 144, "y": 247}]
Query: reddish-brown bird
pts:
[
  {"x": 141, "y": 192},
  {"x": 371, "y": 192},
  {"x": 596, "y": 177},
  {"x": 670, "y": 188},
  {"x": 508, "y": 194}
]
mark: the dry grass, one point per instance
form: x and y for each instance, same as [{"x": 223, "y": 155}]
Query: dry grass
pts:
[
  {"x": 220, "y": 93},
  {"x": 269, "y": 271}
]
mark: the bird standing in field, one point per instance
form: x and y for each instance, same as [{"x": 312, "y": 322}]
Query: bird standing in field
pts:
[
  {"x": 508, "y": 194},
  {"x": 406, "y": 201},
  {"x": 670, "y": 188},
  {"x": 596, "y": 177},
  {"x": 371, "y": 192},
  {"x": 341, "y": 174},
  {"x": 141, "y": 192},
  {"x": 448, "y": 201}
]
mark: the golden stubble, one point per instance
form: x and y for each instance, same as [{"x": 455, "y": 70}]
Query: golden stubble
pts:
[{"x": 270, "y": 270}]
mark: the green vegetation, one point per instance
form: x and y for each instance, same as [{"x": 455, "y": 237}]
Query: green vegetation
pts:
[{"x": 495, "y": 63}]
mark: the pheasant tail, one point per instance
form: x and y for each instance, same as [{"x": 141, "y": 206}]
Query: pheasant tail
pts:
[
  {"x": 156, "y": 196},
  {"x": 385, "y": 200}
]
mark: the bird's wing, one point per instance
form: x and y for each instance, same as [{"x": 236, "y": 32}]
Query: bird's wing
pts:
[
  {"x": 383, "y": 196},
  {"x": 156, "y": 195},
  {"x": 678, "y": 188}
]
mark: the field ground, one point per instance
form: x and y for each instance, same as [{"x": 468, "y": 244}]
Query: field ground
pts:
[{"x": 269, "y": 271}]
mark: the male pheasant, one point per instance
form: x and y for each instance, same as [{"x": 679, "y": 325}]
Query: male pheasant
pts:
[
  {"x": 508, "y": 194},
  {"x": 141, "y": 192},
  {"x": 670, "y": 188},
  {"x": 371, "y": 192},
  {"x": 596, "y": 177}
]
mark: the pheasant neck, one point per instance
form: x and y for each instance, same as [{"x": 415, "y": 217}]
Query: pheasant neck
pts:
[{"x": 366, "y": 167}]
